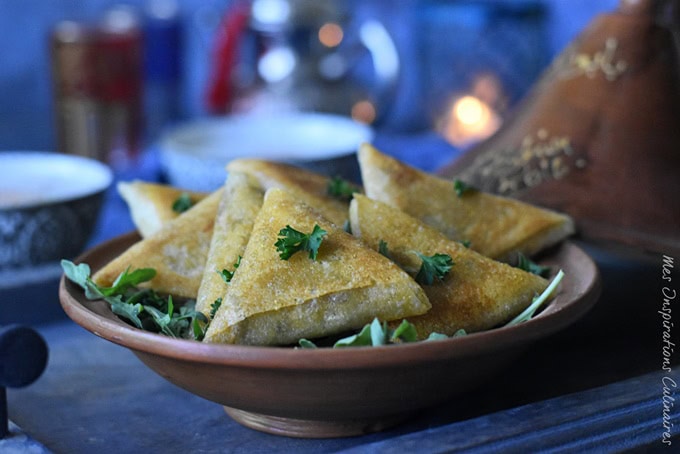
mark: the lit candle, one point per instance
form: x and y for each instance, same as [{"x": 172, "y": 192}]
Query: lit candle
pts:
[{"x": 469, "y": 120}]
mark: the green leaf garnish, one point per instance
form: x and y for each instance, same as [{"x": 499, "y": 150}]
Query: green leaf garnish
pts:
[
  {"x": 466, "y": 243},
  {"x": 162, "y": 319},
  {"x": 538, "y": 301},
  {"x": 433, "y": 267},
  {"x": 304, "y": 343},
  {"x": 291, "y": 241},
  {"x": 436, "y": 336},
  {"x": 80, "y": 274},
  {"x": 382, "y": 248},
  {"x": 214, "y": 307},
  {"x": 530, "y": 266},
  {"x": 182, "y": 203},
  {"x": 361, "y": 339},
  {"x": 227, "y": 275},
  {"x": 199, "y": 328},
  {"x": 405, "y": 332},
  {"x": 143, "y": 308},
  {"x": 341, "y": 188},
  {"x": 128, "y": 311},
  {"x": 128, "y": 279},
  {"x": 376, "y": 334},
  {"x": 461, "y": 188}
]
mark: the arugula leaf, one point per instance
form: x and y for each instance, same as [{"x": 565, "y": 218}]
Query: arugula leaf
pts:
[
  {"x": 291, "y": 241},
  {"x": 530, "y": 266},
  {"x": 182, "y": 203},
  {"x": 341, "y": 188},
  {"x": 378, "y": 333},
  {"x": 162, "y": 319},
  {"x": 80, "y": 274},
  {"x": 405, "y": 332},
  {"x": 128, "y": 311},
  {"x": 143, "y": 308},
  {"x": 361, "y": 339},
  {"x": 304, "y": 343},
  {"x": 198, "y": 329},
  {"x": 538, "y": 301},
  {"x": 229, "y": 275},
  {"x": 128, "y": 279},
  {"x": 437, "y": 336},
  {"x": 433, "y": 267},
  {"x": 199, "y": 322},
  {"x": 466, "y": 243},
  {"x": 461, "y": 188}
]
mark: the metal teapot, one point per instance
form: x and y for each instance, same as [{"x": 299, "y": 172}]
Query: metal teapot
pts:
[{"x": 301, "y": 55}]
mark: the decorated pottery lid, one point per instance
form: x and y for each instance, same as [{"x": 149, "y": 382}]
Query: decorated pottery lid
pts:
[{"x": 598, "y": 136}]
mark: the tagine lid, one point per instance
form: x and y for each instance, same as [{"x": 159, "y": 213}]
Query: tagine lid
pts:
[{"x": 598, "y": 136}]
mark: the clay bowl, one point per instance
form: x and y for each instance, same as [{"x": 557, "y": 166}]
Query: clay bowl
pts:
[{"x": 334, "y": 392}]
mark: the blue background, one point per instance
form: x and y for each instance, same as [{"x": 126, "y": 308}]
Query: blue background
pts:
[{"x": 26, "y": 118}]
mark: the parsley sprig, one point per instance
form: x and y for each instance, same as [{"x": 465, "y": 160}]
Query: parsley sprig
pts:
[
  {"x": 341, "y": 188},
  {"x": 214, "y": 307},
  {"x": 227, "y": 275},
  {"x": 433, "y": 267},
  {"x": 461, "y": 188},
  {"x": 143, "y": 308},
  {"x": 291, "y": 241},
  {"x": 182, "y": 203}
]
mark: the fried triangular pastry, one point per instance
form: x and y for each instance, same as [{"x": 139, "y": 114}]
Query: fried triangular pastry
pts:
[
  {"x": 151, "y": 204},
  {"x": 272, "y": 301},
  {"x": 241, "y": 201},
  {"x": 498, "y": 227},
  {"x": 178, "y": 252},
  {"x": 307, "y": 186},
  {"x": 478, "y": 293}
]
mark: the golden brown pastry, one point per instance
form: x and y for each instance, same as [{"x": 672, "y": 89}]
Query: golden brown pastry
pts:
[
  {"x": 272, "y": 301},
  {"x": 241, "y": 201},
  {"x": 150, "y": 204},
  {"x": 495, "y": 226},
  {"x": 178, "y": 252},
  {"x": 310, "y": 187},
  {"x": 478, "y": 293}
]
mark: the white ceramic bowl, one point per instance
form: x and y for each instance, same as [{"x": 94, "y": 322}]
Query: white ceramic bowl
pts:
[
  {"x": 194, "y": 155},
  {"x": 49, "y": 205}
]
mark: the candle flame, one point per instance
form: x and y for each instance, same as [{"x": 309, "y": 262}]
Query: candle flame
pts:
[{"x": 469, "y": 120}]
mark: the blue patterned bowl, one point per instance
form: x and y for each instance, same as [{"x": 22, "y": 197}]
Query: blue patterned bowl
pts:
[{"x": 49, "y": 206}]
